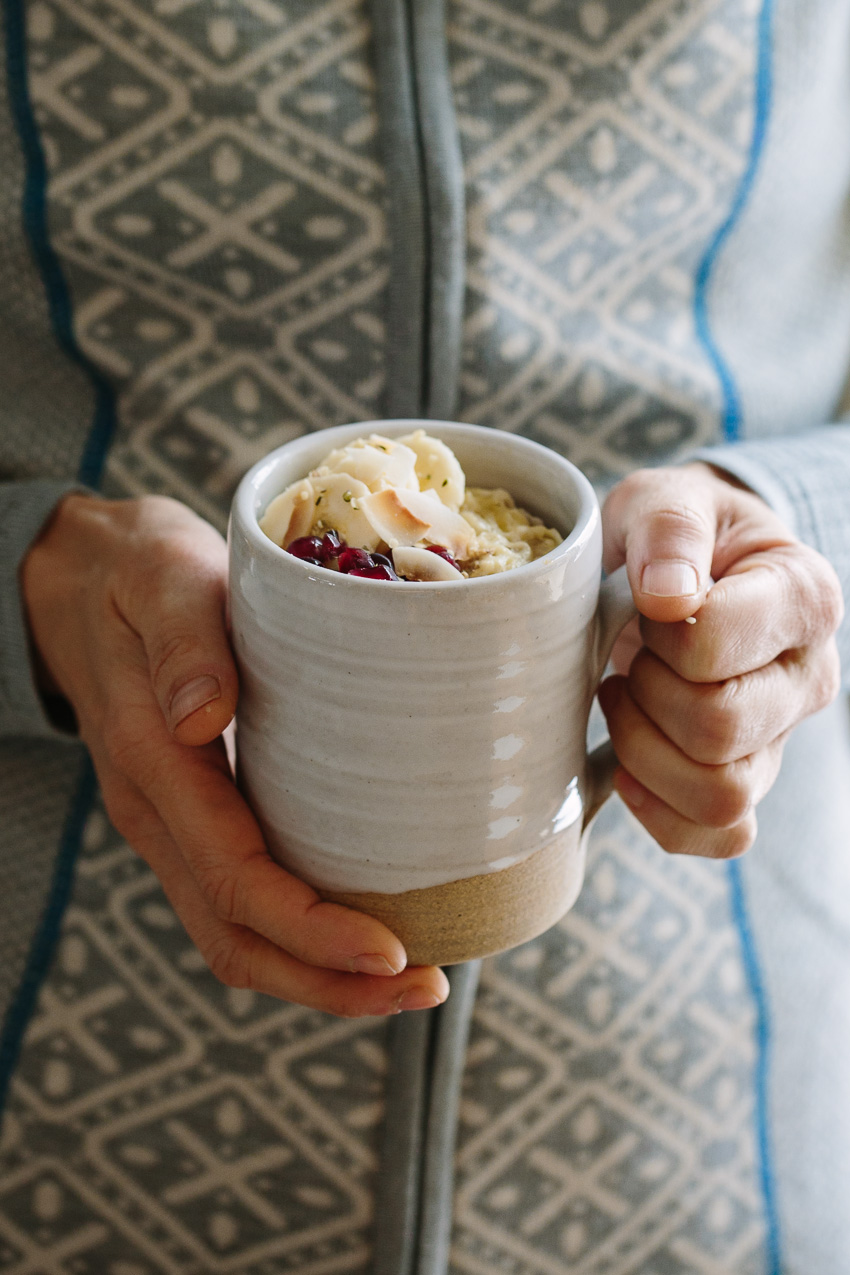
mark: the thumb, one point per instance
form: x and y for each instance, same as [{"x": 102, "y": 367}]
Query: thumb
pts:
[
  {"x": 183, "y": 629},
  {"x": 663, "y": 524}
]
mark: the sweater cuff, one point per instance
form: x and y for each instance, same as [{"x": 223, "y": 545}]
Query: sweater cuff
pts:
[
  {"x": 806, "y": 481},
  {"x": 24, "y": 509}
]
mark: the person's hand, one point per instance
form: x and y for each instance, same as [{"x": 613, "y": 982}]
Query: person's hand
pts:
[
  {"x": 126, "y": 605},
  {"x": 700, "y": 720}
]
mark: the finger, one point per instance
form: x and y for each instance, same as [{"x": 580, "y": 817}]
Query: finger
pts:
[
  {"x": 767, "y": 604},
  {"x": 678, "y": 835},
  {"x": 720, "y": 722},
  {"x": 240, "y": 958},
  {"x": 223, "y": 848},
  {"x": 192, "y": 790},
  {"x": 177, "y": 608},
  {"x": 713, "y": 796},
  {"x": 662, "y": 524}
]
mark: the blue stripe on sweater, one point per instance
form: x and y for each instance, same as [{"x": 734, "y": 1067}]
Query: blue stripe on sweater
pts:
[
  {"x": 35, "y": 223},
  {"x": 762, "y": 1116},
  {"x": 44, "y": 943},
  {"x": 732, "y": 431},
  {"x": 763, "y": 90},
  {"x": 34, "y": 212}
]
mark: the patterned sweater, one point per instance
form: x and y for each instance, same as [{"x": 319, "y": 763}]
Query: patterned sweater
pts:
[{"x": 618, "y": 228}]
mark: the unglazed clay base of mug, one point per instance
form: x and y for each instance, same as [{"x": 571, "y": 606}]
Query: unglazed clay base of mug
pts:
[{"x": 481, "y": 915}]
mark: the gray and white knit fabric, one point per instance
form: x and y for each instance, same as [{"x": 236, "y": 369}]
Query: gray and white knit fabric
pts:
[
  {"x": 160, "y": 1118},
  {"x": 246, "y": 260}
]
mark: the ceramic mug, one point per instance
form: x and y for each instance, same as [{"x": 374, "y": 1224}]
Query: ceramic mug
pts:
[{"x": 418, "y": 750}]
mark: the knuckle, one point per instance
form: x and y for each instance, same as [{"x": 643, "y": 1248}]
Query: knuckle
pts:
[
  {"x": 708, "y": 649},
  {"x": 681, "y": 521},
  {"x": 343, "y": 1004},
  {"x": 827, "y": 678},
  {"x": 174, "y": 651},
  {"x": 719, "y": 733},
  {"x": 174, "y": 555},
  {"x": 730, "y": 795},
  {"x": 830, "y": 600},
  {"x": 819, "y": 590},
  {"x": 154, "y": 506},
  {"x": 737, "y": 840},
  {"x": 675, "y": 841},
  {"x": 223, "y": 894},
  {"x": 159, "y": 557},
  {"x": 696, "y": 652},
  {"x": 711, "y": 664},
  {"x": 729, "y": 843},
  {"x": 228, "y": 961}
]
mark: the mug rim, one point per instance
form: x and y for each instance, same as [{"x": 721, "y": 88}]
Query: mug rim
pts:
[{"x": 243, "y": 510}]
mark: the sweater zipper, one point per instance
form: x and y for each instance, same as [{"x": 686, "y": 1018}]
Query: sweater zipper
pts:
[{"x": 425, "y": 207}]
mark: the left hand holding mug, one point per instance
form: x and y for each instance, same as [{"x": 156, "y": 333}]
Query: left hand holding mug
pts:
[
  {"x": 700, "y": 715},
  {"x": 126, "y": 606}
]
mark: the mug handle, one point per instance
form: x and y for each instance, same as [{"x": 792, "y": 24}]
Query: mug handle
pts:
[{"x": 616, "y": 607}]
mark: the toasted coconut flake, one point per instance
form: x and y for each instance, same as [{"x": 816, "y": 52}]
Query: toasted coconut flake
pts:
[
  {"x": 339, "y": 504},
  {"x": 376, "y": 461},
  {"x": 392, "y": 519},
  {"x": 437, "y": 468},
  {"x": 290, "y": 514},
  {"x": 447, "y": 528}
]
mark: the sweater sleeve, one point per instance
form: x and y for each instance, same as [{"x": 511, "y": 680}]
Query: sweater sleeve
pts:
[
  {"x": 805, "y": 478},
  {"x": 24, "y": 509}
]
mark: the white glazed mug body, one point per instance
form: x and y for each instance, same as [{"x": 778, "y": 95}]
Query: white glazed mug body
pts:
[{"x": 396, "y": 738}]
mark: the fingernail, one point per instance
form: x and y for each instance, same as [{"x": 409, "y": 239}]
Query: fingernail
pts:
[
  {"x": 417, "y": 998},
  {"x": 373, "y": 963},
  {"x": 665, "y": 578},
  {"x": 194, "y": 695}
]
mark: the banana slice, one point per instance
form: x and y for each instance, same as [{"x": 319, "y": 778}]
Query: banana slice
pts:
[
  {"x": 408, "y": 517},
  {"x": 338, "y": 504},
  {"x": 437, "y": 468},
  {"x": 290, "y": 514},
  {"x": 421, "y": 564},
  {"x": 376, "y": 461}
]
